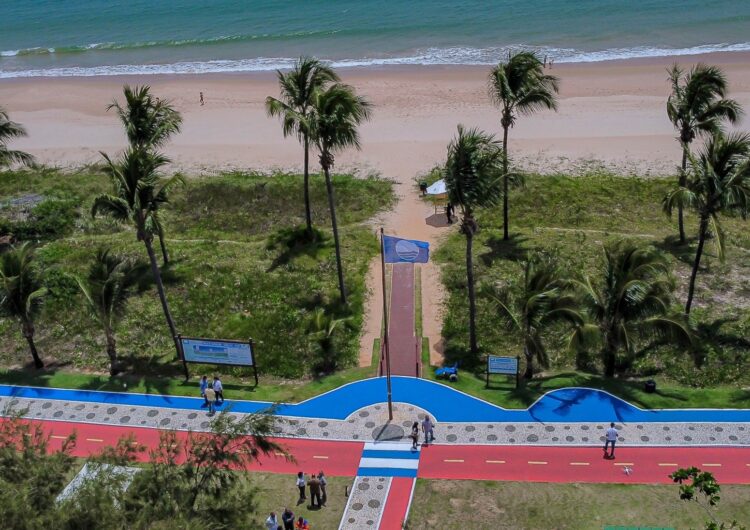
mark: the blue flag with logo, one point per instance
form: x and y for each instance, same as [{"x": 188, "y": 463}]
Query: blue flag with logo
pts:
[{"x": 399, "y": 250}]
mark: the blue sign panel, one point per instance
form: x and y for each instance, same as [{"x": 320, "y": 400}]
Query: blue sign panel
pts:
[{"x": 502, "y": 365}]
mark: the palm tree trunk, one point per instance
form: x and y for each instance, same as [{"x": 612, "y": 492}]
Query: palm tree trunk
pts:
[
  {"x": 529, "y": 373},
  {"x": 470, "y": 283},
  {"x": 681, "y": 182},
  {"x": 610, "y": 357},
  {"x": 164, "y": 253},
  {"x": 28, "y": 333},
  {"x": 334, "y": 225},
  {"x": 308, "y": 212},
  {"x": 696, "y": 263},
  {"x": 160, "y": 288},
  {"x": 505, "y": 184},
  {"x": 111, "y": 350}
]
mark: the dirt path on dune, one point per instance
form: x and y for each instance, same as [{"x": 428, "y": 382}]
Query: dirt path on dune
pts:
[{"x": 411, "y": 218}]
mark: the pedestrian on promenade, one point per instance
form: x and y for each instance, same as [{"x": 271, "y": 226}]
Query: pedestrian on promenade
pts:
[
  {"x": 302, "y": 524},
  {"x": 211, "y": 400},
  {"x": 288, "y": 519},
  {"x": 414, "y": 435},
  {"x": 610, "y": 438},
  {"x": 314, "y": 485},
  {"x": 428, "y": 429},
  {"x": 323, "y": 484},
  {"x": 219, "y": 389},
  {"x": 204, "y": 386},
  {"x": 301, "y": 487},
  {"x": 271, "y": 522}
]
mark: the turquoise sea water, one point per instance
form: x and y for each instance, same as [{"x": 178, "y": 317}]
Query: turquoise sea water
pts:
[{"x": 107, "y": 37}]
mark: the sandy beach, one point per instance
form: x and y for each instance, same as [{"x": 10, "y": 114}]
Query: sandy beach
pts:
[{"x": 611, "y": 112}]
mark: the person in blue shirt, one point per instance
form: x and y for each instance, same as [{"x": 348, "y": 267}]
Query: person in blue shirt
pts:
[{"x": 204, "y": 386}]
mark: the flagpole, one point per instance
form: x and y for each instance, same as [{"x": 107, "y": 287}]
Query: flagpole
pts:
[{"x": 385, "y": 332}]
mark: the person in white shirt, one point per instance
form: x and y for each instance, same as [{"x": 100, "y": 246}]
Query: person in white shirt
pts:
[
  {"x": 219, "y": 389},
  {"x": 323, "y": 484},
  {"x": 301, "y": 483},
  {"x": 610, "y": 439},
  {"x": 271, "y": 522}
]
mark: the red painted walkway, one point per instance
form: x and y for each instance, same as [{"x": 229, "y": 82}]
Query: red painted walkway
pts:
[
  {"x": 730, "y": 465},
  {"x": 397, "y": 504},
  {"x": 335, "y": 458},
  {"x": 405, "y": 359}
]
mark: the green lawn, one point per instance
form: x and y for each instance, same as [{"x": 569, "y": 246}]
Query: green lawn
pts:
[
  {"x": 233, "y": 274},
  {"x": 532, "y": 506}
]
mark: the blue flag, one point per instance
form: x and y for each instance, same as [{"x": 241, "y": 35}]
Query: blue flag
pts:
[{"x": 399, "y": 250}]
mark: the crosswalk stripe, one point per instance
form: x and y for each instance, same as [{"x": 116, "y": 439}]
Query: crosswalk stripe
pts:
[{"x": 389, "y": 462}]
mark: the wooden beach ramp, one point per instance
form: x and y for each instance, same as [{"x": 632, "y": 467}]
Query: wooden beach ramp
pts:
[{"x": 405, "y": 358}]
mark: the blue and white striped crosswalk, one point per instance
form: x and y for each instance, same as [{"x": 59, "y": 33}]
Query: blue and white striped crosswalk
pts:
[{"x": 389, "y": 460}]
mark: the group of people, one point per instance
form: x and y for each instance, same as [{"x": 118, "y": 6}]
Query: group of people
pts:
[
  {"x": 317, "y": 485},
  {"x": 287, "y": 521},
  {"x": 212, "y": 393},
  {"x": 428, "y": 430}
]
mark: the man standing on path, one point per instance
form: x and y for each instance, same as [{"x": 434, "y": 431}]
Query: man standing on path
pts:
[
  {"x": 204, "y": 386},
  {"x": 314, "y": 485},
  {"x": 219, "y": 389},
  {"x": 610, "y": 438},
  {"x": 427, "y": 429},
  {"x": 210, "y": 399}
]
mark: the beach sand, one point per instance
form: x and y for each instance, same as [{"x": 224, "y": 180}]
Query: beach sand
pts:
[{"x": 610, "y": 113}]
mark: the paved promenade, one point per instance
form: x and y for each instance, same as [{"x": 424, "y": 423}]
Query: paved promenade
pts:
[{"x": 347, "y": 432}]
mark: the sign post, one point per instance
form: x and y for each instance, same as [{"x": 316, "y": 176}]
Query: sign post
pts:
[
  {"x": 385, "y": 332},
  {"x": 503, "y": 366},
  {"x": 217, "y": 351}
]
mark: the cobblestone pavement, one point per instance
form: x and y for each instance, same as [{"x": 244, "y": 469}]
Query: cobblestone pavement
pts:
[
  {"x": 366, "y": 502},
  {"x": 371, "y": 423}
]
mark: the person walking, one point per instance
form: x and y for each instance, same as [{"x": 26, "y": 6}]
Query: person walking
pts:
[
  {"x": 211, "y": 400},
  {"x": 610, "y": 439},
  {"x": 428, "y": 430},
  {"x": 219, "y": 389},
  {"x": 201, "y": 96},
  {"x": 314, "y": 485},
  {"x": 414, "y": 435},
  {"x": 271, "y": 522},
  {"x": 323, "y": 484},
  {"x": 288, "y": 519},
  {"x": 301, "y": 487},
  {"x": 203, "y": 387}
]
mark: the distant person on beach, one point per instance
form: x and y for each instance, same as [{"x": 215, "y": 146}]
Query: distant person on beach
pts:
[
  {"x": 545, "y": 61},
  {"x": 550, "y": 64},
  {"x": 211, "y": 400},
  {"x": 202, "y": 99},
  {"x": 204, "y": 386},
  {"x": 301, "y": 487},
  {"x": 610, "y": 439},
  {"x": 428, "y": 429},
  {"x": 219, "y": 389},
  {"x": 414, "y": 435}
]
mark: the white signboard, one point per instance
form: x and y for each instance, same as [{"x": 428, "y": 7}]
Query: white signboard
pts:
[
  {"x": 502, "y": 365},
  {"x": 210, "y": 351}
]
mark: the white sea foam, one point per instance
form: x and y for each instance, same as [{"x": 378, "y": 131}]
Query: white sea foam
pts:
[{"x": 429, "y": 56}]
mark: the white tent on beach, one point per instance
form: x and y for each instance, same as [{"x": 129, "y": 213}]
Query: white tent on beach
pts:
[{"x": 438, "y": 188}]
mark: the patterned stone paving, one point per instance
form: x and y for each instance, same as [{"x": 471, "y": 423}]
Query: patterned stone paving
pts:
[
  {"x": 366, "y": 503},
  {"x": 371, "y": 423}
]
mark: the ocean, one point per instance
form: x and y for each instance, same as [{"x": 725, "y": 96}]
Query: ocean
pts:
[{"x": 100, "y": 37}]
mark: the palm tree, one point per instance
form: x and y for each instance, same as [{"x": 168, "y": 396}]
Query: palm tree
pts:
[
  {"x": 541, "y": 299},
  {"x": 322, "y": 329},
  {"x": 519, "y": 86},
  {"x": 139, "y": 193},
  {"x": 106, "y": 289},
  {"x": 8, "y": 131},
  {"x": 22, "y": 293},
  {"x": 149, "y": 122},
  {"x": 473, "y": 172},
  {"x": 629, "y": 301},
  {"x": 697, "y": 105},
  {"x": 337, "y": 112},
  {"x": 718, "y": 183},
  {"x": 298, "y": 88}
]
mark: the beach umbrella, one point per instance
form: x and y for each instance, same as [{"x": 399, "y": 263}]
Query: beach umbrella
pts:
[{"x": 438, "y": 188}]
